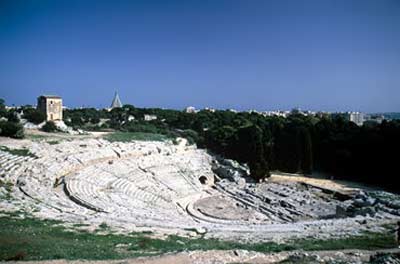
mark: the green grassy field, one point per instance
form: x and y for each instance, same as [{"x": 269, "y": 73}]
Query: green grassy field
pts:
[
  {"x": 129, "y": 136},
  {"x": 32, "y": 239}
]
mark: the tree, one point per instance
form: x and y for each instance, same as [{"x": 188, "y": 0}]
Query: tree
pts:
[
  {"x": 251, "y": 150},
  {"x": 95, "y": 120},
  {"x": 50, "y": 126},
  {"x": 3, "y": 110},
  {"x": 259, "y": 170},
  {"x": 11, "y": 129},
  {"x": 306, "y": 153},
  {"x": 12, "y": 117},
  {"x": 35, "y": 116},
  {"x": 76, "y": 121},
  {"x": 219, "y": 139}
]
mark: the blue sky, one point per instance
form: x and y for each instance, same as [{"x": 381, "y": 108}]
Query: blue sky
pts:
[{"x": 314, "y": 54}]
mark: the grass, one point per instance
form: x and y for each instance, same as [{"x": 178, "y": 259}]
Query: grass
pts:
[
  {"x": 129, "y": 136},
  {"x": 34, "y": 137},
  {"x": 50, "y": 139},
  {"x": 7, "y": 185},
  {"x": 18, "y": 152},
  {"x": 103, "y": 226},
  {"x": 80, "y": 225},
  {"x": 32, "y": 239}
]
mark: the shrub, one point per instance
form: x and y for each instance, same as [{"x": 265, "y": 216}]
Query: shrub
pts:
[
  {"x": 191, "y": 135},
  {"x": 50, "y": 126},
  {"x": 105, "y": 125},
  {"x": 145, "y": 127},
  {"x": 3, "y": 110},
  {"x": 35, "y": 116},
  {"x": 11, "y": 129},
  {"x": 95, "y": 120},
  {"x": 77, "y": 122},
  {"x": 12, "y": 117}
]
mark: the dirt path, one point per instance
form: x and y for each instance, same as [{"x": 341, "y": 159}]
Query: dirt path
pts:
[
  {"x": 334, "y": 185},
  {"x": 90, "y": 134},
  {"x": 241, "y": 256},
  {"x": 34, "y": 135}
]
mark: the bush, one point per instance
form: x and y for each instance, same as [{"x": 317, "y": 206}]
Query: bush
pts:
[
  {"x": 129, "y": 136},
  {"x": 11, "y": 129},
  {"x": 105, "y": 126},
  {"x": 3, "y": 110},
  {"x": 35, "y": 116},
  {"x": 191, "y": 135},
  {"x": 49, "y": 127},
  {"x": 95, "y": 120},
  {"x": 77, "y": 122},
  {"x": 145, "y": 127},
  {"x": 12, "y": 117}
]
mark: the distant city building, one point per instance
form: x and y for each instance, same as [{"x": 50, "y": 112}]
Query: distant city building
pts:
[
  {"x": 190, "y": 109},
  {"x": 374, "y": 118},
  {"x": 356, "y": 117},
  {"x": 251, "y": 111},
  {"x": 276, "y": 113},
  {"x": 378, "y": 118},
  {"x": 51, "y": 105},
  {"x": 116, "y": 102},
  {"x": 149, "y": 117},
  {"x": 7, "y": 107}
]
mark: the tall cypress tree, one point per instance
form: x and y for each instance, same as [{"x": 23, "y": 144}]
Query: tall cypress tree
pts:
[
  {"x": 252, "y": 151},
  {"x": 307, "y": 155}
]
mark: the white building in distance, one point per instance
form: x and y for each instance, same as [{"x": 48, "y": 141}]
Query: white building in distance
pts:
[
  {"x": 356, "y": 117},
  {"x": 150, "y": 117},
  {"x": 191, "y": 110}
]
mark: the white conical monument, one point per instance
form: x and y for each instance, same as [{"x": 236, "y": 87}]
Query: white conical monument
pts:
[{"x": 116, "y": 102}]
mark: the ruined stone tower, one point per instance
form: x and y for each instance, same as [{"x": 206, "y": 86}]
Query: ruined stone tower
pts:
[{"x": 51, "y": 105}]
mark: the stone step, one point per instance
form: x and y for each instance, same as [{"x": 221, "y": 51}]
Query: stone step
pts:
[
  {"x": 131, "y": 190},
  {"x": 84, "y": 194},
  {"x": 14, "y": 168},
  {"x": 11, "y": 160}
]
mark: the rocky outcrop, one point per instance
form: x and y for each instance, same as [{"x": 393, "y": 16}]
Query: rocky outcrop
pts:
[{"x": 232, "y": 170}]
